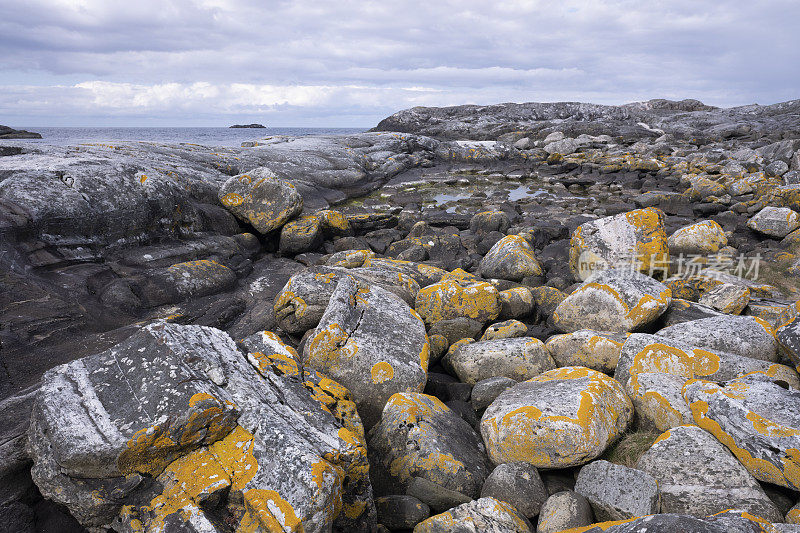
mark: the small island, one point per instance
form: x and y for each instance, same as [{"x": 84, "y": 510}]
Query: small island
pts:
[
  {"x": 11, "y": 133},
  {"x": 254, "y": 126}
]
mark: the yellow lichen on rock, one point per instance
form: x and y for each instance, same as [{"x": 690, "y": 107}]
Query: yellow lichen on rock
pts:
[{"x": 455, "y": 298}]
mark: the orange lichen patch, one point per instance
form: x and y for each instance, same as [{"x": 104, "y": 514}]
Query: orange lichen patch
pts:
[
  {"x": 435, "y": 463},
  {"x": 282, "y": 363},
  {"x": 793, "y": 516},
  {"x": 424, "y": 356},
  {"x": 461, "y": 274},
  {"x": 330, "y": 347},
  {"x": 381, "y": 372},
  {"x": 454, "y": 298},
  {"x": 232, "y": 200},
  {"x": 142, "y": 179},
  {"x": 288, "y": 300},
  {"x": 658, "y": 357},
  {"x": 415, "y": 407},
  {"x": 603, "y": 526},
  {"x": 335, "y": 220},
  {"x": 267, "y": 511}
]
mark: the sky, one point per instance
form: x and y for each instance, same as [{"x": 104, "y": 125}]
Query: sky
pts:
[{"x": 348, "y": 63}]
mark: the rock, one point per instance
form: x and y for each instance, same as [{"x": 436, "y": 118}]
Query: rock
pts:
[
  {"x": 486, "y": 390},
  {"x": 455, "y": 298},
  {"x": 516, "y": 303},
  {"x": 758, "y": 419},
  {"x": 400, "y": 511},
  {"x": 776, "y": 169},
  {"x": 175, "y": 417},
  {"x": 301, "y": 235},
  {"x": 617, "y": 492},
  {"x": 727, "y": 298},
  {"x": 517, "y": 484},
  {"x": 547, "y": 299},
  {"x": 563, "y": 147},
  {"x": 658, "y": 400},
  {"x": 517, "y": 358},
  {"x": 618, "y": 241},
  {"x": 455, "y": 329},
  {"x": 697, "y": 476},
  {"x": 652, "y": 353},
  {"x": 613, "y": 300},
  {"x": 793, "y": 516},
  {"x": 564, "y": 417},
  {"x": 419, "y": 436},
  {"x": 182, "y": 281},
  {"x": 508, "y": 329},
  {"x": 11, "y": 133},
  {"x": 701, "y": 238},
  {"x": 261, "y": 199},
  {"x": 488, "y": 221},
  {"x": 484, "y": 515},
  {"x": 434, "y": 495},
  {"x": 730, "y": 521},
  {"x": 564, "y": 510},
  {"x": 371, "y": 342},
  {"x": 776, "y": 222},
  {"x": 597, "y": 350},
  {"x": 747, "y": 336},
  {"x": 788, "y": 336},
  {"x": 512, "y": 259}
]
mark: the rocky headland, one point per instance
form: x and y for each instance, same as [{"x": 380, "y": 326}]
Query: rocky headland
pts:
[
  {"x": 11, "y": 133},
  {"x": 507, "y": 318}
]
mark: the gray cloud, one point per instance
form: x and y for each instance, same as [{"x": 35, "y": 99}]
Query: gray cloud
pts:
[{"x": 352, "y": 62}]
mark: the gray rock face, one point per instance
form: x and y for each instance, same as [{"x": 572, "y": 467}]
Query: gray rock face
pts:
[
  {"x": 371, "y": 342},
  {"x": 732, "y": 521},
  {"x": 510, "y": 258},
  {"x": 486, "y": 515},
  {"x": 698, "y": 476},
  {"x": 149, "y": 431},
  {"x": 776, "y": 222},
  {"x": 746, "y": 336},
  {"x": 517, "y": 484},
  {"x": 564, "y": 510},
  {"x": 598, "y": 350},
  {"x": 261, "y": 199},
  {"x": 400, "y": 511},
  {"x": 517, "y": 358},
  {"x": 11, "y": 133},
  {"x": 701, "y": 238},
  {"x": 419, "y": 436},
  {"x": 485, "y": 391},
  {"x": 617, "y": 492},
  {"x": 658, "y": 400},
  {"x": 788, "y": 336}
]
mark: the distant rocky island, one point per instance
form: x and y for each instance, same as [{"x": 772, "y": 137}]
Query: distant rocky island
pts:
[
  {"x": 11, "y": 133},
  {"x": 253, "y": 126}
]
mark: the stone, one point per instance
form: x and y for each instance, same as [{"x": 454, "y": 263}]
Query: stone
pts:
[
  {"x": 730, "y": 521},
  {"x": 269, "y": 344},
  {"x": 564, "y": 510},
  {"x": 303, "y": 234},
  {"x": 788, "y": 336},
  {"x": 617, "y": 492},
  {"x": 517, "y": 358},
  {"x": 776, "y": 169},
  {"x": 518, "y": 484},
  {"x": 488, "y": 221},
  {"x": 455, "y": 329},
  {"x": 182, "y": 281},
  {"x": 507, "y": 329},
  {"x": 619, "y": 241},
  {"x": 454, "y": 298},
  {"x": 486, "y": 390},
  {"x": 516, "y": 303},
  {"x": 698, "y": 476},
  {"x": 701, "y": 238},
  {"x": 434, "y": 495},
  {"x": 420, "y": 437},
  {"x": 758, "y": 419},
  {"x": 597, "y": 350},
  {"x": 658, "y": 400},
  {"x": 564, "y": 417},
  {"x": 510, "y": 258},
  {"x": 613, "y": 300},
  {"x": 727, "y": 298},
  {"x": 746, "y": 336},
  {"x": 651, "y": 353},
  {"x": 370, "y": 341},
  {"x": 400, "y": 511},
  {"x": 546, "y": 300},
  {"x": 261, "y": 199},
  {"x": 150, "y": 430},
  {"x": 485, "y": 515},
  {"x": 775, "y": 222}
]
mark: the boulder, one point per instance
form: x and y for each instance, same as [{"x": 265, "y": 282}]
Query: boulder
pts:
[
  {"x": 400, "y": 511},
  {"x": 776, "y": 222},
  {"x": 488, "y": 221},
  {"x": 435, "y": 496},
  {"x": 486, "y": 515},
  {"x": 658, "y": 400},
  {"x": 176, "y": 421},
  {"x": 564, "y": 417},
  {"x": 454, "y": 298},
  {"x": 788, "y": 336},
  {"x": 746, "y": 336},
  {"x": 419, "y": 436},
  {"x": 613, "y": 300},
  {"x": 516, "y": 358},
  {"x": 698, "y": 476},
  {"x": 510, "y": 258},
  {"x": 564, "y": 510},
  {"x": 617, "y": 492},
  {"x": 598, "y": 350},
  {"x": 504, "y": 330},
  {"x": 701, "y": 238},
  {"x": 372, "y": 342},
  {"x": 728, "y": 298},
  {"x": 261, "y": 199},
  {"x": 758, "y": 419},
  {"x": 516, "y": 303},
  {"x": 182, "y": 281},
  {"x": 518, "y": 484},
  {"x": 634, "y": 238},
  {"x": 486, "y": 390},
  {"x": 301, "y": 235},
  {"x": 730, "y": 521}
]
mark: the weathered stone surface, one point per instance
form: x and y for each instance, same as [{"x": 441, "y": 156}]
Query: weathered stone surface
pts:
[
  {"x": 658, "y": 400},
  {"x": 486, "y": 390},
  {"x": 696, "y": 475},
  {"x": 518, "y": 484},
  {"x": 613, "y": 300},
  {"x": 175, "y": 417},
  {"x": 261, "y": 199},
  {"x": 454, "y": 298},
  {"x": 617, "y": 492},
  {"x": 510, "y": 258},
  {"x": 564, "y": 417},
  {"x": 758, "y": 419},
  {"x": 516, "y": 303},
  {"x": 487, "y": 221},
  {"x": 732, "y": 521},
  {"x": 747, "y": 336},
  {"x": 788, "y": 336},
  {"x": 727, "y": 298},
  {"x": 300, "y": 235},
  {"x": 598, "y": 350},
  {"x": 516, "y": 358},
  {"x": 399, "y": 511},
  {"x": 185, "y": 280},
  {"x": 635, "y": 238},
  {"x": 419, "y": 436},
  {"x": 373, "y": 343},
  {"x": 651, "y": 353},
  {"x": 436, "y": 496},
  {"x": 775, "y": 221},
  {"x": 564, "y": 510},
  {"x": 507, "y": 329},
  {"x": 701, "y": 238},
  {"x": 486, "y": 515}
]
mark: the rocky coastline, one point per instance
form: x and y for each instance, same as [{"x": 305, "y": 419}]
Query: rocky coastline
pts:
[
  {"x": 10, "y": 133},
  {"x": 508, "y": 318}
]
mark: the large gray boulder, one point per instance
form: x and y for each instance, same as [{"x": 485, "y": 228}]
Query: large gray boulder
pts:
[
  {"x": 485, "y": 515},
  {"x": 261, "y": 199},
  {"x": 617, "y": 492},
  {"x": 510, "y": 258},
  {"x": 775, "y": 222},
  {"x": 730, "y": 521},
  {"x": 598, "y": 350},
  {"x": 518, "y": 484},
  {"x": 658, "y": 400},
  {"x": 701, "y": 238},
  {"x": 747, "y": 336},
  {"x": 153, "y": 430},
  {"x": 698, "y": 476},
  {"x": 564, "y": 510},
  {"x": 518, "y": 358},
  {"x": 371, "y": 342}
]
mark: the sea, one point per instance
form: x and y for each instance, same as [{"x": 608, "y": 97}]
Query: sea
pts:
[{"x": 204, "y": 136}]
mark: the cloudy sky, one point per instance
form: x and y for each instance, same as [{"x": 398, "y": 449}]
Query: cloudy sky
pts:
[{"x": 351, "y": 63}]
